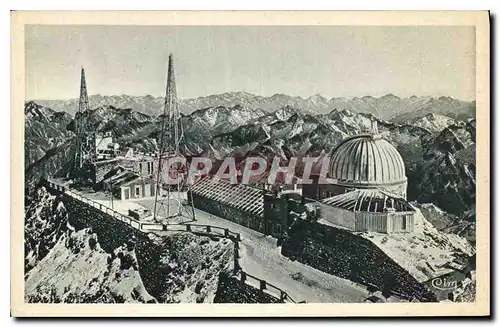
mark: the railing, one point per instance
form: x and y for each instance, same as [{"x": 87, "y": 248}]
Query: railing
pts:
[
  {"x": 209, "y": 230},
  {"x": 264, "y": 286},
  {"x": 147, "y": 226},
  {"x": 109, "y": 211}
]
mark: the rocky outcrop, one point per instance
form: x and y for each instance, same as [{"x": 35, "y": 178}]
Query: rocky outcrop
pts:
[
  {"x": 77, "y": 253},
  {"x": 464, "y": 226},
  {"x": 434, "y": 123},
  {"x": 45, "y": 222},
  {"x": 78, "y": 270},
  {"x": 445, "y": 174},
  {"x": 48, "y": 144},
  {"x": 64, "y": 265},
  {"x": 233, "y": 290},
  {"x": 184, "y": 268}
]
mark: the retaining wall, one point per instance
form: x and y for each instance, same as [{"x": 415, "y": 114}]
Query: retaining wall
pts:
[{"x": 341, "y": 253}]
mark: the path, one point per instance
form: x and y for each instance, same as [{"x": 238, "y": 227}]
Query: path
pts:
[{"x": 261, "y": 257}]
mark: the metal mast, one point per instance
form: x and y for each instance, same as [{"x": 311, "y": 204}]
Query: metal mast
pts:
[
  {"x": 84, "y": 138},
  {"x": 171, "y": 203}
]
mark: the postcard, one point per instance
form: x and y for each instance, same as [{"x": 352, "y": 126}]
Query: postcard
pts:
[{"x": 224, "y": 164}]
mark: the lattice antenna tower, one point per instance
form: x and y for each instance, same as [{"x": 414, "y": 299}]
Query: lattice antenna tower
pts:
[
  {"x": 172, "y": 202},
  {"x": 85, "y": 143}
]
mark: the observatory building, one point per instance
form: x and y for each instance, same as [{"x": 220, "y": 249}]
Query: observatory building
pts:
[
  {"x": 367, "y": 189},
  {"x": 365, "y": 161}
]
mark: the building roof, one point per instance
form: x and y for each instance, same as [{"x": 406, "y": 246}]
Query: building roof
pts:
[
  {"x": 366, "y": 160},
  {"x": 106, "y": 161},
  {"x": 369, "y": 200},
  {"x": 121, "y": 178},
  {"x": 114, "y": 171},
  {"x": 239, "y": 196},
  {"x": 126, "y": 152}
]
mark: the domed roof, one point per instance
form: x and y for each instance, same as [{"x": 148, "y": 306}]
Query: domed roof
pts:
[{"x": 366, "y": 160}]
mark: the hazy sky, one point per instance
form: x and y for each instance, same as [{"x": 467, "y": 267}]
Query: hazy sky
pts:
[{"x": 295, "y": 60}]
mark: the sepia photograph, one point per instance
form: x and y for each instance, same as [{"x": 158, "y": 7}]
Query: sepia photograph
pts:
[{"x": 289, "y": 162}]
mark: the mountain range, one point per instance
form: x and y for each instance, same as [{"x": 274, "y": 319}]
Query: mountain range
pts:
[
  {"x": 388, "y": 107},
  {"x": 438, "y": 150}
]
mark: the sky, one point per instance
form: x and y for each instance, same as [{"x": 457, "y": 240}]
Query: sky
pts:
[{"x": 334, "y": 61}]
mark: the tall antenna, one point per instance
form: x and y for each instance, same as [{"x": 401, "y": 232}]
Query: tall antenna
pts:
[
  {"x": 171, "y": 203},
  {"x": 85, "y": 142}
]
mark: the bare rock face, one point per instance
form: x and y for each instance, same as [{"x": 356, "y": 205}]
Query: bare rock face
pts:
[
  {"x": 446, "y": 173},
  {"x": 185, "y": 267},
  {"x": 77, "y": 270},
  {"x": 464, "y": 226},
  {"x": 65, "y": 265},
  {"x": 434, "y": 123},
  {"x": 46, "y": 221},
  {"x": 48, "y": 143}
]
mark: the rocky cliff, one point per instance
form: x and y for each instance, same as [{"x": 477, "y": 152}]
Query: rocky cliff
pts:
[
  {"x": 49, "y": 145},
  {"x": 76, "y": 254}
]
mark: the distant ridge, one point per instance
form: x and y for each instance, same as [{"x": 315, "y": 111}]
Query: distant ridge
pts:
[{"x": 386, "y": 107}]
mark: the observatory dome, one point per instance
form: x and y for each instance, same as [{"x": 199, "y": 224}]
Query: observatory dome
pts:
[{"x": 368, "y": 161}]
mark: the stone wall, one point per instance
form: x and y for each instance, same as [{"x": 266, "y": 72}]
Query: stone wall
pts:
[
  {"x": 341, "y": 253},
  {"x": 322, "y": 191},
  {"x": 276, "y": 218},
  {"x": 338, "y": 216},
  {"x": 232, "y": 290}
]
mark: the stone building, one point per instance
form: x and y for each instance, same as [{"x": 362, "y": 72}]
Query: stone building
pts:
[
  {"x": 280, "y": 182},
  {"x": 105, "y": 147},
  {"x": 141, "y": 164},
  {"x": 261, "y": 210},
  {"x": 126, "y": 185}
]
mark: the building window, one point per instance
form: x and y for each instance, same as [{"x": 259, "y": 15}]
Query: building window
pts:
[
  {"x": 403, "y": 225},
  {"x": 137, "y": 191},
  {"x": 140, "y": 167}
]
